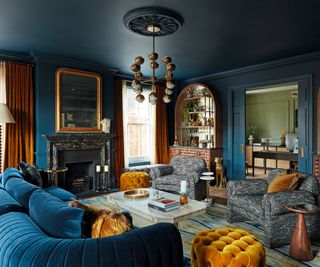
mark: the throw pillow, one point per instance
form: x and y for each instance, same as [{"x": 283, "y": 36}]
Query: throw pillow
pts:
[
  {"x": 31, "y": 174},
  {"x": 54, "y": 216},
  {"x": 284, "y": 182},
  {"x": 103, "y": 222}
]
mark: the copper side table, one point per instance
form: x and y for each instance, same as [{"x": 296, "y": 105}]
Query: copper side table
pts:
[{"x": 300, "y": 246}]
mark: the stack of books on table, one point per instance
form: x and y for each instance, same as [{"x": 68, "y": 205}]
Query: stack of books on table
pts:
[{"x": 163, "y": 204}]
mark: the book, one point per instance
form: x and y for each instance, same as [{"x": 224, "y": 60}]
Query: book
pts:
[
  {"x": 164, "y": 202},
  {"x": 162, "y": 209}
]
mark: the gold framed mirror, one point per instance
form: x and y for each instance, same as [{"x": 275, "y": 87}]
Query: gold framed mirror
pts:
[{"x": 78, "y": 101}]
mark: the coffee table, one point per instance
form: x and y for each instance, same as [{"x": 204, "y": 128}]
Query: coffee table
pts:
[{"x": 143, "y": 215}]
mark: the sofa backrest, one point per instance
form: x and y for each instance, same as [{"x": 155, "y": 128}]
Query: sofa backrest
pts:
[{"x": 186, "y": 164}]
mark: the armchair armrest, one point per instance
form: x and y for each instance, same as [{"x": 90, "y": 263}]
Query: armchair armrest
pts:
[
  {"x": 247, "y": 187},
  {"x": 273, "y": 203},
  {"x": 160, "y": 170}
]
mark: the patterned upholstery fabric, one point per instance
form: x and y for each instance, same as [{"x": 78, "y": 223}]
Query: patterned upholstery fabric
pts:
[
  {"x": 227, "y": 247},
  {"x": 249, "y": 200},
  {"x": 133, "y": 180},
  {"x": 141, "y": 168},
  {"x": 168, "y": 177}
]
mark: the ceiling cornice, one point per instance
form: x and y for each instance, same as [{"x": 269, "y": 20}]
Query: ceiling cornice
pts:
[
  {"x": 16, "y": 57},
  {"x": 257, "y": 67},
  {"x": 60, "y": 60}
]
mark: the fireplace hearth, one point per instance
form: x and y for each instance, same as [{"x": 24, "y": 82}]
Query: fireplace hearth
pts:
[{"x": 87, "y": 157}]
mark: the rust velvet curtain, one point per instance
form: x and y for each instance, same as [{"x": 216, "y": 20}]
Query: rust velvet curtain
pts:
[
  {"x": 162, "y": 154},
  {"x": 19, "y": 135},
  {"x": 118, "y": 125}
]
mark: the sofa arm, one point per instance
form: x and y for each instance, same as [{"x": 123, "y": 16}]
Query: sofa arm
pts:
[
  {"x": 160, "y": 170},
  {"x": 247, "y": 187},
  {"x": 273, "y": 203}
]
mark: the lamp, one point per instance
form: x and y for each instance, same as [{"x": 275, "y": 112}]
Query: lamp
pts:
[
  {"x": 153, "y": 21},
  {"x": 5, "y": 115}
]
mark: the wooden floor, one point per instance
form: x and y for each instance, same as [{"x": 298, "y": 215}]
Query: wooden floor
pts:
[{"x": 219, "y": 195}]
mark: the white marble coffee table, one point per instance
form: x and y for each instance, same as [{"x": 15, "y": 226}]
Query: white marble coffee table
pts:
[{"x": 143, "y": 215}]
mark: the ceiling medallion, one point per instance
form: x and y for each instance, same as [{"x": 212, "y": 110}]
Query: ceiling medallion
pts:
[{"x": 153, "y": 21}]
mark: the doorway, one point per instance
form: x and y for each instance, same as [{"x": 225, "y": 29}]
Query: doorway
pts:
[
  {"x": 236, "y": 158},
  {"x": 271, "y": 125}
]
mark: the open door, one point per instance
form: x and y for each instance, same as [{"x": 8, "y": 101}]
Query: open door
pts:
[{"x": 237, "y": 135}]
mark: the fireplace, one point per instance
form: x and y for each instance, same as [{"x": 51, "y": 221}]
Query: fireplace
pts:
[{"x": 87, "y": 157}]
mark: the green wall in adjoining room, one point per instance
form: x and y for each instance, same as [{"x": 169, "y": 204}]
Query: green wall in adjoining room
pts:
[{"x": 272, "y": 113}]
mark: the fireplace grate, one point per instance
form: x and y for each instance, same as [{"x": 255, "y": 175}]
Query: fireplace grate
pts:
[{"x": 80, "y": 184}]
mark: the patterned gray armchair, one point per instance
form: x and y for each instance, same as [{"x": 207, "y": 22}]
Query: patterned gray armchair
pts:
[
  {"x": 248, "y": 200},
  {"x": 168, "y": 176}
]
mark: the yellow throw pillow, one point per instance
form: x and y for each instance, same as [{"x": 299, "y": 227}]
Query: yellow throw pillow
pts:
[{"x": 284, "y": 182}]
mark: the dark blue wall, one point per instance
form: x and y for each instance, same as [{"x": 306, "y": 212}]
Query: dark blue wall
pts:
[
  {"x": 45, "y": 69},
  {"x": 264, "y": 74}
]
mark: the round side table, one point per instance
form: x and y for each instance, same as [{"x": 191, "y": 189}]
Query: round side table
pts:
[
  {"x": 52, "y": 174},
  {"x": 207, "y": 177},
  {"x": 300, "y": 247}
]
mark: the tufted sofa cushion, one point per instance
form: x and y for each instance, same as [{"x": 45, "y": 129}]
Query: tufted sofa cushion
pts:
[
  {"x": 227, "y": 247},
  {"x": 54, "y": 216},
  {"x": 133, "y": 180}
]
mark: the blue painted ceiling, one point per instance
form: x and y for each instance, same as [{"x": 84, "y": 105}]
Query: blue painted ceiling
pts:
[{"x": 217, "y": 35}]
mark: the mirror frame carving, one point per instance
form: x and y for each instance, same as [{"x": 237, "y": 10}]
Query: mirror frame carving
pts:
[{"x": 58, "y": 109}]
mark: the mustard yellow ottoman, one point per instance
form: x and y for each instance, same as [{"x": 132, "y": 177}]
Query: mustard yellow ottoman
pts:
[
  {"x": 227, "y": 247},
  {"x": 133, "y": 180}
]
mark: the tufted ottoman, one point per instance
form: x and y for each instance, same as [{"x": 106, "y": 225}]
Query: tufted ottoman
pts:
[
  {"x": 133, "y": 180},
  {"x": 227, "y": 247}
]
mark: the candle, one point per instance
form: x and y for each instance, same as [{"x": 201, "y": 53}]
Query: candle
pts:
[
  {"x": 183, "y": 188},
  {"x": 106, "y": 168},
  {"x": 98, "y": 168}
]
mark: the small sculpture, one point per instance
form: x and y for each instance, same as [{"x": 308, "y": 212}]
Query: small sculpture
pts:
[
  {"x": 106, "y": 123},
  {"x": 220, "y": 178}
]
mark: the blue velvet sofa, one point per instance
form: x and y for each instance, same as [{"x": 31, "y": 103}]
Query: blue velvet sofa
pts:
[{"x": 37, "y": 229}]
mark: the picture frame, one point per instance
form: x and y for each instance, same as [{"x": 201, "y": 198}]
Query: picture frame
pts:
[{"x": 78, "y": 101}]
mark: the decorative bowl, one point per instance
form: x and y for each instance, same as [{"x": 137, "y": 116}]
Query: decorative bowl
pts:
[{"x": 136, "y": 193}]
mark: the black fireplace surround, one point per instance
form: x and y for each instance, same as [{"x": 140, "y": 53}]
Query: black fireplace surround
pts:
[{"x": 87, "y": 157}]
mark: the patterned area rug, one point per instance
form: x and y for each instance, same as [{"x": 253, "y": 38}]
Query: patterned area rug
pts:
[{"x": 214, "y": 218}]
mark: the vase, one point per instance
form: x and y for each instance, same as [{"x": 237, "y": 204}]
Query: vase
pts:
[
  {"x": 250, "y": 138},
  {"x": 291, "y": 140}
]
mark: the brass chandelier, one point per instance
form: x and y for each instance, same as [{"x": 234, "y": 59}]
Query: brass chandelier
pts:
[{"x": 153, "y": 22}]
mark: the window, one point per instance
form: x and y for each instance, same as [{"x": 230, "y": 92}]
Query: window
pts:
[
  {"x": 139, "y": 128},
  {"x": 2, "y": 100}
]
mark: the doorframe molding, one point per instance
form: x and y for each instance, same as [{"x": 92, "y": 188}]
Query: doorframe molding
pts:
[{"x": 312, "y": 95}]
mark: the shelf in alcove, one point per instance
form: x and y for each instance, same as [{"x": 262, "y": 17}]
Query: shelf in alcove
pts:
[
  {"x": 196, "y": 127},
  {"x": 199, "y": 112},
  {"x": 193, "y": 98}
]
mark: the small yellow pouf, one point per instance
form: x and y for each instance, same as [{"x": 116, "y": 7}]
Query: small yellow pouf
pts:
[
  {"x": 133, "y": 180},
  {"x": 227, "y": 247}
]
